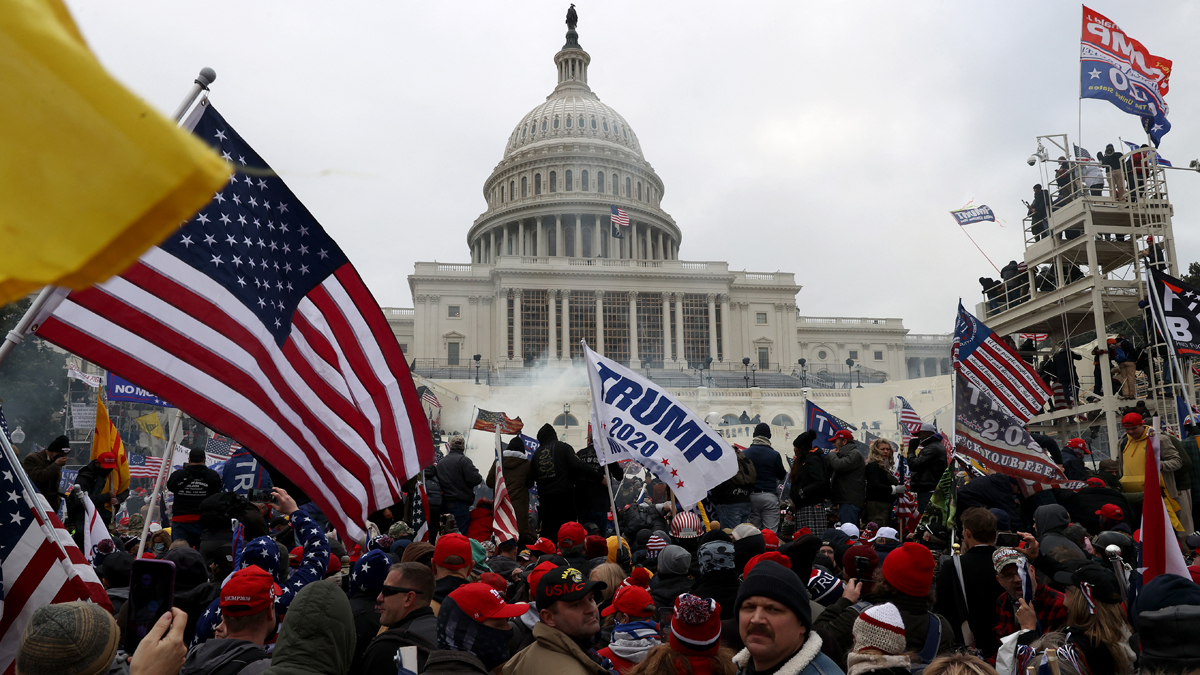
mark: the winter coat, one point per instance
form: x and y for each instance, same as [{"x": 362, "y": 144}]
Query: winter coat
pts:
[
  {"x": 220, "y": 654},
  {"x": 928, "y": 465},
  {"x": 458, "y": 476},
  {"x": 417, "y": 629},
  {"x": 191, "y": 484},
  {"x": 807, "y": 661},
  {"x": 366, "y": 621},
  {"x": 433, "y": 488},
  {"x": 1073, "y": 465},
  {"x": 1051, "y": 520},
  {"x": 982, "y": 589},
  {"x": 557, "y": 470},
  {"x": 993, "y": 491},
  {"x": 451, "y": 662},
  {"x": 1083, "y": 505},
  {"x": 672, "y": 579},
  {"x": 45, "y": 476},
  {"x": 518, "y": 478},
  {"x": 811, "y": 484},
  {"x": 736, "y": 490},
  {"x": 317, "y": 637},
  {"x": 849, "y": 475},
  {"x": 880, "y": 482},
  {"x": 915, "y": 612},
  {"x": 593, "y": 495},
  {"x": 767, "y": 464},
  {"x": 720, "y": 585},
  {"x": 553, "y": 652},
  {"x": 92, "y": 479}
]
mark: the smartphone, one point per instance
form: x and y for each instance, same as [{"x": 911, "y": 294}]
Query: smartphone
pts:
[
  {"x": 862, "y": 569},
  {"x": 261, "y": 496},
  {"x": 1008, "y": 540},
  {"x": 151, "y": 594}
]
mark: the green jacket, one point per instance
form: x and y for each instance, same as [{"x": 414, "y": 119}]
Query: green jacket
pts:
[{"x": 318, "y": 635}]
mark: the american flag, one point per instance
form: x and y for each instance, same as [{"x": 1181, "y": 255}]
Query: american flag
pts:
[
  {"x": 143, "y": 466},
  {"x": 486, "y": 420},
  {"x": 910, "y": 421},
  {"x": 1036, "y": 337},
  {"x": 251, "y": 319},
  {"x": 428, "y": 397},
  {"x": 220, "y": 445},
  {"x": 504, "y": 518},
  {"x": 989, "y": 364},
  {"x": 4, "y": 423},
  {"x": 1022, "y": 267},
  {"x": 907, "y": 511},
  {"x": 41, "y": 564},
  {"x": 420, "y": 512},
  {"x": 619, "y": 217}
]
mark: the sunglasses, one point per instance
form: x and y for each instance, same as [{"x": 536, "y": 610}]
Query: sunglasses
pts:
[{"x": 388, "y": 591}]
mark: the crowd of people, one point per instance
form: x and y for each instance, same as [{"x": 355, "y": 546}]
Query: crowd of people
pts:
[{"x": 797, "y": 565}]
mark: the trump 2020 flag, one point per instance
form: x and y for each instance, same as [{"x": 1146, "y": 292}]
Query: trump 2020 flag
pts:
[
  {"x": 976, "y": 214},
  {"x": 636, "y": 419},
  {"x": 825, "y": 424},
  {"x": 1118, "y": 69},
  {"x": 986, "y": 433}
]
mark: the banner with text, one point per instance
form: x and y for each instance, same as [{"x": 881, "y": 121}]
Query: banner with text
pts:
[
  {"x": 976, "y": 214},
  {"x": 826, "y": 425},
  {"x": 634, "y": 418},
  {"x": 996, "y": 439},
  {"x": 1116, "y": 68},
  {"x": 120, "y": 389}
]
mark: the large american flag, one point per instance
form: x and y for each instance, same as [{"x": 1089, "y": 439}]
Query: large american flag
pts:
[
  {"x": 486, "y": 420},
  {"x": 40, "y": 563},
  {"x": 620, "y": 217},
  {"x": 990, "y": 364},
  {"x": 143, "y": 466},
  {"x": 504, "y": 517},
  {"x": 251, "y": 320}
]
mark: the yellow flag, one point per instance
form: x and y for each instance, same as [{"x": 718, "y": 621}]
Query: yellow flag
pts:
[
  {"x": 150, "y": 424},
  {"x": 106, "y": 439},
  {"x": 91, "y": 176}
]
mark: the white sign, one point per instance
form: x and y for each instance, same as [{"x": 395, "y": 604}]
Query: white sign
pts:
[
  {"x": 633, "y": 418},
  {"x": 92, "y": 381},
  {"x": 83, "y": 416}
]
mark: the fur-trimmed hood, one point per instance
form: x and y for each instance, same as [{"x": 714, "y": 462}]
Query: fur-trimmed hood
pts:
[
  {"x": 858, "y": 663},
  {"x": 796, "y": 665}
]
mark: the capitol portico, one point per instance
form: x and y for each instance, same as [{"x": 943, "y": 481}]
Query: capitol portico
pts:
[{"x": 549, "y": 268}]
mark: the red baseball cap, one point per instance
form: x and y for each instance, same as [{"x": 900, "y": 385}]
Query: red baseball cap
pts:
[
  {"x": 773, "y": 556},
  {"x": 249, "y": 590},
  {"x": 1132, "y": 420},
  {"x": 295, "y": 556},
  {"x": 771, "y": 539},
  {"x": 632, "y": 600},
  {"x": 335, "y": 565},
  {"x": 482, "y": 602},
  {"x": 107, "y": 460},
  {"x": 536, "y": 574},
  {"x": 453, "y": 544},
  {"x": 842, "y": 433},
  {"x": 1111, "y": 511},
  {"x": 1096, "y": 482},
  {"x": 543, "y": 546},
  {"x": 571, "y": 534}
]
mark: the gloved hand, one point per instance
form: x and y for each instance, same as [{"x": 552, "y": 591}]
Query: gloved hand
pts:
[{"x": 899, "y": 489}]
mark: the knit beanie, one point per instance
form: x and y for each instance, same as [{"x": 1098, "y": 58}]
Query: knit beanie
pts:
[
  {"x": 863, "y": 551},
  {"x": 762, "y": 430},
  {"x": 595, "y": 546},
  {"x": 715, "y": 556},
  {"x": 696, "y": 626},
  {"x": 824, "y": 588},
  {"x": 880, "y": 627},
  {"x": 909, "y": 569},
  {"x": 744, "y": 530},
  {"x": 640, "y": 576},
  {"x": 674, "y": 560},
  {"x": 774, "y": 581},
  {"x": 369, "y": 573},
  {"x": 69, "y": 638},
  {"x": 655, "y": 546}
]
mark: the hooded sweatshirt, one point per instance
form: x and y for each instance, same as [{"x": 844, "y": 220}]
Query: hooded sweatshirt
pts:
[
  {"x": 672, "y": 579},
  {"x": 556, "y": 468},
  {"x": 1051, "y": 520},
  {"x": 318, "y": 635}
]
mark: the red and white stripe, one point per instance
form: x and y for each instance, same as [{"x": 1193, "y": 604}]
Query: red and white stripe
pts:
[
  {"x": 147, "y": 470},
  {"x": 504, "y": 518},
  {"x": 910, "y": 421},
  {"x": 41, "y": 571},
  {"x": 995, "y": 368},
  {"x": 334, "y": 408}
]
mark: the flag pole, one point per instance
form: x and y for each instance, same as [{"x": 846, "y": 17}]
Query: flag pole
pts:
[
  {"x": 168, "y": 454},
  {"x": 15, "y": 336}
]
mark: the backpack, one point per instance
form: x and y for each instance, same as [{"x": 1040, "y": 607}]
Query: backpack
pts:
[
  {"x": 249, "y": 654},
  {"x": 746, "y": 474}
]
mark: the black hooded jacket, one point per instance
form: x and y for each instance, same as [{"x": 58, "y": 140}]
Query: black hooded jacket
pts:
[
  {"x": 593, "y": 495},
  {"x": 993, "y": 491},
  {"x": 557, "y": 470},
  {"x": 810, "y": 482}
]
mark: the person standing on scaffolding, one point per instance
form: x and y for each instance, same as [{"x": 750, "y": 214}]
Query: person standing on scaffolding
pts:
[
  {"x": 1037, "y": 213},
  {"x": 1111, "y": 160},
  {"x": 1123, "y": 354}
]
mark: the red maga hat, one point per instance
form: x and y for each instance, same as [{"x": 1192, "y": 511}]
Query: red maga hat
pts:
[
  {"x": 248, "y": 591},
  {"x": 482, "y": 602}
]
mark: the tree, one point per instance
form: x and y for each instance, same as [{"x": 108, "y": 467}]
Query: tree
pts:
[
  {"x": 31, "y": 382},
  {"x": 1192, "y": 278}
]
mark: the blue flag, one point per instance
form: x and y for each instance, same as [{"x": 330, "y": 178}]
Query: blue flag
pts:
[
  {"x": 825, "y": 424},
  {"x": 1116, "y": 68}
]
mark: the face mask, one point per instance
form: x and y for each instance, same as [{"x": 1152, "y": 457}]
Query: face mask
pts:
[{"x": 160, "y": 547}]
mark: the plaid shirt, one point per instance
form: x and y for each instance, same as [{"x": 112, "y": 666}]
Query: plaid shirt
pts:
[{"x": 1048, "y": 603}]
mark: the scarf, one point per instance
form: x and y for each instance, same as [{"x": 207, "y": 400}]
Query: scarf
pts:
[{"x": 632, "y": 641}]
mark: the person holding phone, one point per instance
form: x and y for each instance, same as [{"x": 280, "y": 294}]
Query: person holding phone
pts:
[{"x": 45, "y": 469}]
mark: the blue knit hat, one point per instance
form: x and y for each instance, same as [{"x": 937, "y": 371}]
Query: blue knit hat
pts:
[
  {"x": 264, "y": 553},
  {"x": 369, "y": 572}
]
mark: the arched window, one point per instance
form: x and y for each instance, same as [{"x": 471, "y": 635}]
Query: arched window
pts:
[
  {"x": 566, "y": 421},
  {"x": 605, "y": 122},
  {"x": 524, "y": 186},
  {"x": 583, "y": 180},
  {"x": 537, "y": 183},
  {"x": 543, "y": 125},
  {"x": 568, "y": 122},
  {"x": 600, "y": 182},
  {"x": 554, "y": 181},
  {"x": 512, "y": 188},
  {"x": 639, "y": 190},
  {"x": 569, "y": 184},
  {"x": 616, "y": 190},
  {"x": 729, "y": 420},
  {"x": 581, "y": 121},
  {"x": 628, "y": 192},
  {"x": 593, "y": 124},
  {"x": 522, "y": 132},
  {"x": 783, "y": 421},
  {"x": 555, "y": 122},
  {"x": 501, "y": 194}
]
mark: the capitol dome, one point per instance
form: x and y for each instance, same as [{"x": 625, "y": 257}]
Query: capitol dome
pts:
[{"x": 569, "y": 166}]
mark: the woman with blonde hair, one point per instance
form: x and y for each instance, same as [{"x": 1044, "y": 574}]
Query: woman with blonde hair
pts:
[
  {"x": 612, "y": 575},
  {"x": 882, "y": 484},
  {"x": 1096, "y": 623},
  {"x": 959, "y": 664}
]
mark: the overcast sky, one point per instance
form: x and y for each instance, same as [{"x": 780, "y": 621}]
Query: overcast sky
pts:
[{"x": 825, "y": 139}]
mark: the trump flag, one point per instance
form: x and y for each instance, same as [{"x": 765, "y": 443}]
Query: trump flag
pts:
[{"x": 1116, "y": 68}]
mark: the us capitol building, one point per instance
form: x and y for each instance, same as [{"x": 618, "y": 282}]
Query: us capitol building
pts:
[{"x": 548, "y": 268}]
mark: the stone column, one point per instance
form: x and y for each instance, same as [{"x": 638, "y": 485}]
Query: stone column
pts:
[
  {"x": 789, "y": 334},
  {"x": 662, "y": 252},
  {"x": 745, "y": 314},
  {"x": 485, "y": 347},
  {"x": 666, "y": 327},
  {"x": 501, "y": 314},
  {"x": 712, "y": 326},
  {"x": 518, "y": 347},
  {"x": 595, "y": 235},
  {"x": 434, "y": 318},
  {"x": 473, "y": 338},
  {"x": 578, "y": 236},
  {"x": 520, "y": 247},
  {"x": 495, "y": 251},
  {"x": 726, "y": 348},
  {"x": 560, "y": 249},
  {"x": 417, "y": 348},
  {"x": 681, "y": 356},
  {"x": 600, "y": 322},
  {"x": 634, "y": 361},
  {"x": 566, "y": 324}
]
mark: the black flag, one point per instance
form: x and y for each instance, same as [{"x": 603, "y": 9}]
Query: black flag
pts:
[{"x": 1175, "y": 312}]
